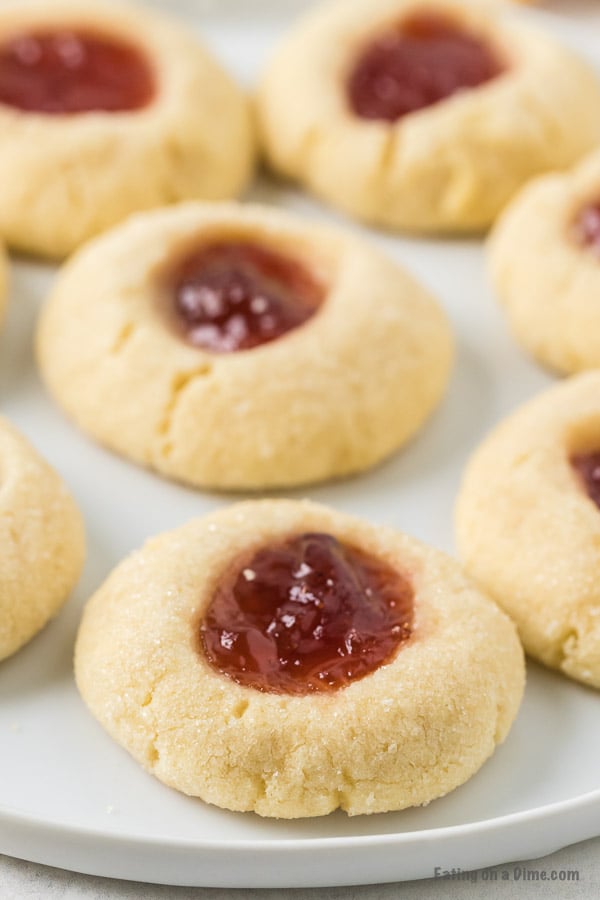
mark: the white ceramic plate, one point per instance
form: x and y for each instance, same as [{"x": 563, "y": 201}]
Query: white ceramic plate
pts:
[{"x": 71, "y": 798}]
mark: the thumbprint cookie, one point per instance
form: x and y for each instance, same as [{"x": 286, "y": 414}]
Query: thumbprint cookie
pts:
[
  {"x": 242, "y": 348},
  {"x": 528, "y": 522},
  {"x": 41, "y": 541},
  {"x": 423, "y": 115},
  {"x": 106, "y": 109},
  {"x": 280, "y": 657},
  {"x": 544, "y": 259}
]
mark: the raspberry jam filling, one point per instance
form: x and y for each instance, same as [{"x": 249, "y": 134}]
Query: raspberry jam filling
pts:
[
  {"x": 587, "y": 467},
  {"x": 233, "y": 296},
  {"x": 587, "y": 227},
  {"x": 308, "y": 615},
  {"x": 67, "y": 72},
  {"x": 425, "y": 59}
]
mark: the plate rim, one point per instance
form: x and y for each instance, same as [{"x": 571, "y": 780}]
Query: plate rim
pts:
[{"x": 281, "y": 864}]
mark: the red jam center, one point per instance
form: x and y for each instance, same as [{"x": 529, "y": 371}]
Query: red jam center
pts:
[
  {"x": 587, "y": 466},
  {"x": 236, "y": 296},
  {"x": 427, "y": 58},
  {"x": 311, "y": 614},
  {"x": 587, "y": 227},
  {"x": 62, "y": 72}
]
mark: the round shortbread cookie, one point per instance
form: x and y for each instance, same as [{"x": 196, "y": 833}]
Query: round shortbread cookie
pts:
[
  {"x": 544, "y": 258},
  {"x": 334, "y": 395},
  {"x": 448, "y": 166},
  {"x": 168, "y": 125},
  {"x": 41, "y": 541},
  {"x": 411, "y": 730},
  {"x": 529, "y": 528}
]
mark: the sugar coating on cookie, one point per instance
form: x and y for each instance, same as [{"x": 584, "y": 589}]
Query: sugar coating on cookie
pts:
[
  {"x": 242, "y": 347},
  {"x": 528, "y": 524},
  {"x": 414, "y": 726},
  {"x": 423, "y": 116},
  {"x": 41, "y": 541},
  {"x": 107, "y": 109},
  {"x": 544, "y": 260}
]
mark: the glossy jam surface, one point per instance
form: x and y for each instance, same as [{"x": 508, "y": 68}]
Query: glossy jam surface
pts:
[
  {"x": 308, "y": 615},
  {"x": 587, "y": 227},
  {"x": 587, "y": 467},
  {"x": 236, "y": 296},
  {"x": 68, "y": 72},
  {"x": 426, "y": 59}
]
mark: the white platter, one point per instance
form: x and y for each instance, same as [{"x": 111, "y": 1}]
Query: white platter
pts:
[{"x": 71, "y": 798}]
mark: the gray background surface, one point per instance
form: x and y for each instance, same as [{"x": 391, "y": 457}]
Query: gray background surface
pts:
[{"x": 25, "y": 880}]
